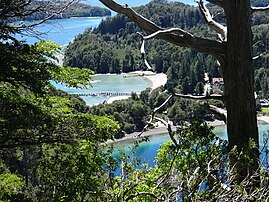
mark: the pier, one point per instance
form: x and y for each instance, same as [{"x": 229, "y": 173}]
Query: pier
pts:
[{"x": 103, "y": 94}]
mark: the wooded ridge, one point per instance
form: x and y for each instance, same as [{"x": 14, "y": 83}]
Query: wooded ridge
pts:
[{"x": 113, "y": 47}]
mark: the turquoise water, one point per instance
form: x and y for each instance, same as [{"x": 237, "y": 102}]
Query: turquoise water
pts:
[
  {"x": 109, "y": 83},
  {"x": 63, "y": 31},
  {"x": 148, "y": 150}
]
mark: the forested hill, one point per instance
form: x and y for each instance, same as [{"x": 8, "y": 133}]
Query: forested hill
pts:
[
  {"x": 164, "y": 14},
  {"x": 259, "y": 2},
  {"x": 170, "y": 14},
  {"x": 114, "y": 46},
  {"x": 75, "y": 10}
]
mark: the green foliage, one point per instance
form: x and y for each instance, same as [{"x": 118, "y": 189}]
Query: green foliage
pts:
[
  {"x": 28, "y": 107},
  {"x": 11, "y": 186},
  {"x": 102, "y": 54},
  {"x": 34, "y": 117},
  {"x": 265, "y": 110},
  {"x": 131, "y": 114},
  {"x": 32, "y": 66},
  {"x": 72, "y": 172},
  {"x": 58, "y": 147},
  {"x": 185, "y": 171},
  {"x": 185, "y": 68}
]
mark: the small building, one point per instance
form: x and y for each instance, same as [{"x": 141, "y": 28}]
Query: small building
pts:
[
  {"x": 218, "y": 80},
  {"x": 217, "y": 85}
]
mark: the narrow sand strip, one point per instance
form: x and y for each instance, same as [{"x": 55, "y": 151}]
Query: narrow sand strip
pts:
[
  {"x": 161, "y": 130},
  {"x": 112, "y": 99},
  {"x": 156, "y": 80}
]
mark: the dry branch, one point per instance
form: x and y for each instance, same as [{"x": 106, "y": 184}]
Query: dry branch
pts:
[
  {"x": 58, "y": 11},
  {"x": 143, "y": 52},
  {"x": 200, "y": 44},
  {"x": 175, "y": 31},
  {"x": 220, "y": 113},
  {"x": 219, "y": 28},
  {"x": 201, "y": 97}
]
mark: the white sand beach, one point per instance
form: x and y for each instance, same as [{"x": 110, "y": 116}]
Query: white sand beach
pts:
[
  {"x": 215, "y": 123},
  {"x": 112, "y": 99},
  {"x": 156, "y": 80},
  {"x": 150, "y": 132}
]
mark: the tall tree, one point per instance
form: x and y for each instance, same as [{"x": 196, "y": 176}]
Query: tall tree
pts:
[
  {"x": 233, "y": 50},
  {"x": 34, "y": 114}
]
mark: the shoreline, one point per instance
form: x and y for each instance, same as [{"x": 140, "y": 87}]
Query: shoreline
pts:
[
  {"x": 162, "y": 130},
  {"x": 156, "y": 81},
  {"x": 133, "y": 136}
]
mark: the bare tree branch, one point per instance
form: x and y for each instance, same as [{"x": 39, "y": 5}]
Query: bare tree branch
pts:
[
  {"x": 164, "y": 103},
  {"x": 143, "y": 52},
  {"x": 201, "y": 97},
  {"x": 55, "y": 13},
  {"x": 169, "y": 129},
  {"x": 256, "y": 9},
  {"x": 175, "y": 31},
  {"x": 219, "y": 28},
  {"x": 200, "y": 44},
  {"x": 220, "y": 113},
  {"x": 258, "y": 56},
  {"x": 210, "y": 108}
]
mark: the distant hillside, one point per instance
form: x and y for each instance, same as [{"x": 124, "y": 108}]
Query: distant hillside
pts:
[
  {"x": 114, "y": 47},
  {"x": 259, "y": 2},
  {"x": 164, "y": 14},
  {"x": 75, "y": 10},
  {"x": 170, "y": 14}
]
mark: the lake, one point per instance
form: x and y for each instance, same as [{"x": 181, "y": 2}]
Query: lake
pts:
[
  {"x": 148, "y": 150},
  {"x": 110, "y": 84},
  {"x": 63, "y": 31}
]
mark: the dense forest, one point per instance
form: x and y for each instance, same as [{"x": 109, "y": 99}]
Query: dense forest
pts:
[
  {"x": 74, "y": 10},
  {"x": 113, "y": 47},
  {"x": 53, "y": 147}
]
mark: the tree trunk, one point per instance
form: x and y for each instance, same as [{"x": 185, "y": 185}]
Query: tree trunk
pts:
[
  {"x": 238, "y": 75},
  {"x": 236, "y": 58}
]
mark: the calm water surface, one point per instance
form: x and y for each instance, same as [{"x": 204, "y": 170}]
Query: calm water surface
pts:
[
  {"x": 148, "y": 150},
  {"x": 63, "y": 31},
  {"x": 111, "y": 84}
]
